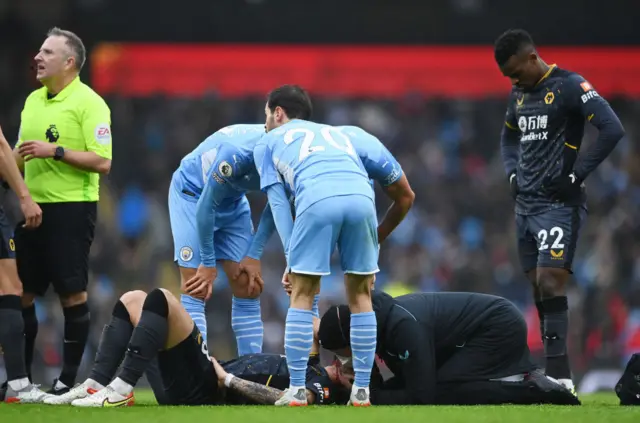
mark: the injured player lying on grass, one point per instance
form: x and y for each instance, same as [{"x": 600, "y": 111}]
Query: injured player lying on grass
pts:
[{"x": 154, "y": 334}]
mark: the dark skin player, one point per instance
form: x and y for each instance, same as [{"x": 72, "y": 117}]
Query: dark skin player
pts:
[
  {"x": 524, "y": 70},
  {"x": 541, "y": 150}
]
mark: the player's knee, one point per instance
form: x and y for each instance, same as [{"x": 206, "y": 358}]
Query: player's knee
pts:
[
  {"x": 304, "y": 285},
  {"x": 156, "y": 302},
  {"x": 172, "y": 301},
  {"x": 70, "y": 300},
  {"x": 133, "y": 301},
  {"x": 240, "y": 287},
  {"x": 359, "y": 284},
  {"x": 551, "y": 281},
  {"x": 9, "y": 281},
  {"x": 8, "y": 287},
  {"x": 186, "y": 273}
]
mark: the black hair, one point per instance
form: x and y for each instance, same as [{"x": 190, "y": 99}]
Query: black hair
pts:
[
  {"x": 74, "y": 42},
  {"x": 335, "y": 328},
  {"x": 293, "y": 99},
  {"x": 511, "y": 43},
  {"x": 340, "y": 395}
]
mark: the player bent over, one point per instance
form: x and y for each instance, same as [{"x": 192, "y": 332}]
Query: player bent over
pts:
[
  {"x": 156, "y": 326},
  {"x": 333, "y": 207},
  {"x": 449, "y": 348},
  {"x": 211, "y": 225}
]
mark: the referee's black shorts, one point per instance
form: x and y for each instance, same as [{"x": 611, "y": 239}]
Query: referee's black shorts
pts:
[{"x": 57, "y": 252}]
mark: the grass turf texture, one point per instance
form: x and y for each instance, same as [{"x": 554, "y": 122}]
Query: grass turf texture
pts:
[{"x": 595, "y": 408}]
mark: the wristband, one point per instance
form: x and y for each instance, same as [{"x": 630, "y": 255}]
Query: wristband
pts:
[{"x": 227, "y": 379}]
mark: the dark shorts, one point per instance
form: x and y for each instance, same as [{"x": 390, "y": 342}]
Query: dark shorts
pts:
[
  {"x": 57, "y": 252},
  {"x": 549, "y": 239},
  {"x": 7, "y": 245},
  {"x": 187, "y": 375},
  {"x": 497, "y": 349}
]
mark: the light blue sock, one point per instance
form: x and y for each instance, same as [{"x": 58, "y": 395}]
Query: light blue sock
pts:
[
  {"x": 246, "y": 322},
  {"x": 298, "y": 339},
  {"x": 314, "y": 309},
  {"x": 195, "y": 308},
  {"x": 363, "y": 346}
]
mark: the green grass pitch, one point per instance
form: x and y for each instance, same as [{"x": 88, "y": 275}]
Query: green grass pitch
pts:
[{"x": 595, "y": 408}]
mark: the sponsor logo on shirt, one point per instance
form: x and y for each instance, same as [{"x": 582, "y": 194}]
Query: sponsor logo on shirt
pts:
[{"x": 102, "y": 134}]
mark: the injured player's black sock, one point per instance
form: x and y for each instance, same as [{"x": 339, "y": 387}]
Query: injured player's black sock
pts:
[
  {"x": 556, "y": 322},
  {"x": 148, "y": 337},
  {"x": 30, "y": 332},
  {"x": 113, "y": 345},
  {"x": 541, "y": 318},
  {"x": 12, "y": 336},
  {"x": 76, "y": 333}
]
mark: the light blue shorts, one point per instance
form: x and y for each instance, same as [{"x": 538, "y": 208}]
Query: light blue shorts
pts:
[
  {"x": 348, "y": 221},
  {"x": 231, "y": 237}
]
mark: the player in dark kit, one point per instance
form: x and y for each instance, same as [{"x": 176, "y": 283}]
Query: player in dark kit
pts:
[
  {"x": 540, "y": 147},
  {"x": 448, "y": 348},
  {"x": 17, "y": 388},
  {"x": 154, "y": 332}
]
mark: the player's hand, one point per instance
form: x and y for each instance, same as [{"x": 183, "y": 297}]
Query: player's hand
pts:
[
  {"x": 220, "y": 372},
  {"x": 285, "y": 282},
  {"x": 253, "y": 270},
  {"x": 513, "y": 185},
  {"x": 36, "y": 150},
  {"x": 201, "y": 285},
  {"x": 32, "y": 213},
  {"x": 563, "y": 187}
]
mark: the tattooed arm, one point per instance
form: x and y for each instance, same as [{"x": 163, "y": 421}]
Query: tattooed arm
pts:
[
  {"x": 260, "y": 394},
  {"x": 256, "y": 392}
]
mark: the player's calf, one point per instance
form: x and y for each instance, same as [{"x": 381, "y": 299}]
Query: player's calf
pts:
[
  {"x": 363, "y": 333},
  {"x": 111, "y": 349},
  {"x": 196, "y": 307},
  {"x": 19, "y": 387},
  {"x": 298, "y": 338},
  {"x": 555, "y": 307},
  {"x": 76, "y": 333},
  {"x": 30, "y": 320},
  {"x": 148, "y": 337}
]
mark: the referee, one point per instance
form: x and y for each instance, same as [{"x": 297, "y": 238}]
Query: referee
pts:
[{"x": 63, "y": 146}]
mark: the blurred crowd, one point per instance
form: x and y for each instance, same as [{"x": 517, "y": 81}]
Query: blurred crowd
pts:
[{"x": 459, "y": 236}]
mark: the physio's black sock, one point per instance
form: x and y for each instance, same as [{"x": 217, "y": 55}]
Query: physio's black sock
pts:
[
  {"x": 12, "y": 336},
  {"x": 556, "y": 323},
  {"x": 76, "y": 333},
  {"x": 30, "y": 321},
  {"x": 148, "y": 337},
  {"x": 113, "y": 345}
]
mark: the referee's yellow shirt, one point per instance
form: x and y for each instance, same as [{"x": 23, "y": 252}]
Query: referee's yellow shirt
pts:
[{"x": 77, "y": 119}]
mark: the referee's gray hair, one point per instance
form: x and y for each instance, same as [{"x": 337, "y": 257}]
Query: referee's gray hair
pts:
[{"x": 73, "y": 41}]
